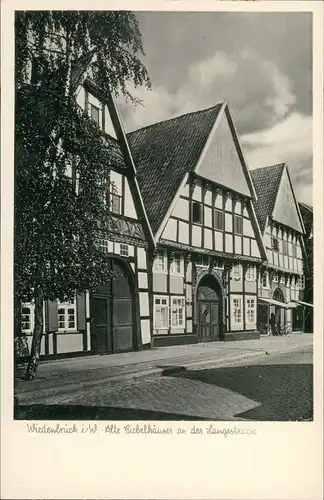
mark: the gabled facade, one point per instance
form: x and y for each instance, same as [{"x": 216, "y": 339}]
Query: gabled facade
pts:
[
  {"x": 282, "y": 281},
  {"x": 199, "y": 197},
  {"x": 116, "y": 317}
]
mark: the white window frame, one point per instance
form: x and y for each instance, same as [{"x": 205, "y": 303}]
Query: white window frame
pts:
[
  {"x": 178, "y": 307},
  {"x": 124, "y": 250},
  {"x": 249, "y": 308},
  {"x": 161, "y": 257},
  {"x": 275, "y": 278},
  {"x": 103, "y": 245},
  {"x": 160, "y": 305},
  {"x": 266, "y": 286},
  {"x": 250, "y": 273},
  {"x": 282, "y": 280},
  {"x": 66, "y": 306},
  {"x": 31, "y": 307},
  {"x": 234, "y": 308},
  {"x": 174, "y": 267},
  {"x": 237, "y": 276},
  {"x": 236, "y": 218},
  {"x": 301, "y": 282},
  {"x": 201, "y": 258}
]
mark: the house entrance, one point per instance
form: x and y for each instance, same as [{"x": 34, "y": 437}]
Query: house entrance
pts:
[
  {"x": 112, "y": 314},
  {"x": 209, "y": 312}
]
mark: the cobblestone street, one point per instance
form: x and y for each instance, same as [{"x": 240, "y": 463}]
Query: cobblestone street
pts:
[{"x": 274, "y": 387}]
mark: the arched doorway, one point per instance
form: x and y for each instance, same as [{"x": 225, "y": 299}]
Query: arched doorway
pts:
[
  {"x": 279, "y": 311},
  {"x": 209, "y": 309},
  {"x": 112, "y": 312}
]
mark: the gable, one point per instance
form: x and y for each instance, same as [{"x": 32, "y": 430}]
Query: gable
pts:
[
  {"x": 285, "y": 210},
  {"x": 221, "y": 162}
]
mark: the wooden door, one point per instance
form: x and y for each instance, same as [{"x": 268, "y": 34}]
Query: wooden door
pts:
[
  {"x": 208, "y": 314},
  {"x": 122, "y": 311},
  {"x": 100, "y": 324}
]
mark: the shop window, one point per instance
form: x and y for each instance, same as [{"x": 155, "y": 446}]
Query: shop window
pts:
[{"x": 161, "y": 312}]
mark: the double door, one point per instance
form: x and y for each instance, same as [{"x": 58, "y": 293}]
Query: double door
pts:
[
  {"x": 112, "y": 315},
  {"x": 208, "y": 320}
]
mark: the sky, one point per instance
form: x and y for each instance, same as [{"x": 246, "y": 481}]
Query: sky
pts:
[{"x": 260, "y": 62}]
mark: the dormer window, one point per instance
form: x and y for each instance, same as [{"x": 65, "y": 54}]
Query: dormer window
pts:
[{"x": 197, "y": 213}]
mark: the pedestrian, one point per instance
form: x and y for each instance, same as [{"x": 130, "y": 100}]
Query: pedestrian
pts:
[{"x": 273, "y": 325}]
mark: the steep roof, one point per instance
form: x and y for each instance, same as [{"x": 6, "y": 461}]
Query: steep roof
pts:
[
  {"x": 266, "y": 181},
  {"x": 164, "y": 152}
]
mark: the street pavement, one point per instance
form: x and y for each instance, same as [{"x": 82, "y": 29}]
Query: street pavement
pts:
[{"x": 276, "y": 386}]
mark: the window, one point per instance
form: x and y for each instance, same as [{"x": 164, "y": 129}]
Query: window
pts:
[
  {"x": 103, "y": 245},
  {"x": 176, "y": 266},
  {"x": 161, "y": 312},
  {"x": 237, "y": 272},
  {"x": 27, "y": 318},
  {"x": 275, "y": 278},
  {"x": 177, "y": 312},
  {"x": 124, "y": 250},
  {"x": 250, "y": 273},
  {"x": 275, "y": 244},
  {"x": 282, "y": 279},
  {"x": 95, "y": 114},
  {"x": 285, "y": 247},
  {"x": 238, "y": 224},
  {"x": 160, "y": 263},
  {"x": 236, "y": 310},
  {"x": 66, "y": 316},
  {"x": 115, "y": 203},
  {"x": 202, "y": 260},
  {"x": 219, "y": 220},
  {"x": 301, "y": 282},
  {"x": 250, "y": 311},
  {"x": 294, "y": 250},
  {"x": 265, "y": 280},
  {"x": 197, "y": 213}
]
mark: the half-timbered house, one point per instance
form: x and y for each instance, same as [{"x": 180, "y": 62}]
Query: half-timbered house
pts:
[
  {"x": 116, "y": 317},
  {"x": 281, "y": 285},
  {"x": 199, "y": 196},
  {"x": 307, "y": 216}
]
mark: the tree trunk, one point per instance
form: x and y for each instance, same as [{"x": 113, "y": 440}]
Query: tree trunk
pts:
[{"x": 32, "y": 367}]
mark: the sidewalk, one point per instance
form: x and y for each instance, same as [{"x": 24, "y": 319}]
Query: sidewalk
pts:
[{"x": 59, "y": 377}]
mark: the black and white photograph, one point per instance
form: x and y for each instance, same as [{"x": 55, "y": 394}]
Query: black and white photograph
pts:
[
  {"x": 162, "y": 205},
  {"x": 163, "y": 257}
]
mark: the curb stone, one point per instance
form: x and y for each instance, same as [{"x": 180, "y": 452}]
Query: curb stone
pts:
[{"x": 61, "y": 394}]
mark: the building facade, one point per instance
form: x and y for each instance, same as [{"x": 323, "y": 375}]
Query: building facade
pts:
[
  {"x": 282, "y": 281},
  {"x": 199, "y": 198},
  {"x": 307, "y": 215},
  {"x": 115, "y": 317}
]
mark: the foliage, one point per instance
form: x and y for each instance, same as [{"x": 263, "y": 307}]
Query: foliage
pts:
[{"x": 58, "y": 219}]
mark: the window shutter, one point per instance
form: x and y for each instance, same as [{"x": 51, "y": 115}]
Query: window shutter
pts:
[
  {"x": 81, "y": 312},
  {"x": 51, "y": 323}
]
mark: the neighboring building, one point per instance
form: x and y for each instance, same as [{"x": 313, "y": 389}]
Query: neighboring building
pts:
[
  {"x": 199, "y": 196},
  {"x": 116, "y": 317},
  {"x": 282, "y": 283},
  {"x": 307, "y": 215}
]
